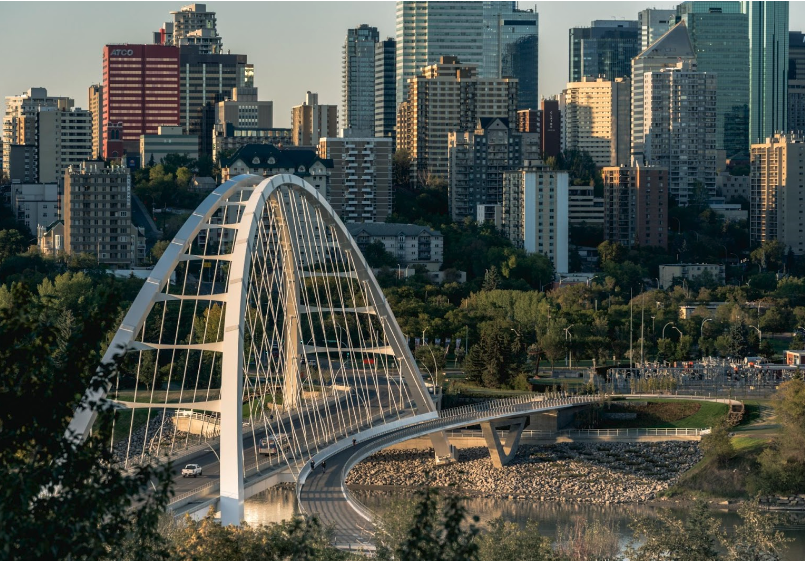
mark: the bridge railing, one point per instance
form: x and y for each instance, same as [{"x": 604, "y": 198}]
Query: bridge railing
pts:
[{"x": 635, "y": 432}]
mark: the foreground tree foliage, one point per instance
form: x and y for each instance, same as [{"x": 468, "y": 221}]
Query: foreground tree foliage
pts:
[
  {"x": 783, "y": 463},
  {"x": 60, "y": 499}
]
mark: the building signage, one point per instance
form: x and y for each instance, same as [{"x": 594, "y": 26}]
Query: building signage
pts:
[{"x": 122, "y": 52}]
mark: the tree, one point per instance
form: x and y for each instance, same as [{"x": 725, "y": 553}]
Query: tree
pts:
[
  {"x": 158, "y": 249},
  {"x": 610, "y": 252},
  {"x": 756, "y": 538},
  {"x": 51, "y": 485},
  {"x": 783, "y": 463},
  {"x": 401, "y": 168},
  {"x": 377, "y": 256},
  {"x": 491, "y": 279},
  {"x": 432, "y": 358},
  {"x": 769, "y": 256},
  {"x": 12, "y": 243},
  {"x": 718, "y": 444},
  {"x": 506, "y": 540},
  {"x": 555, "y": 346}
]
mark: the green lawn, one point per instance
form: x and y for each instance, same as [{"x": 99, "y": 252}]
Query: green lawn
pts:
[{"x": 671, "y": 413}]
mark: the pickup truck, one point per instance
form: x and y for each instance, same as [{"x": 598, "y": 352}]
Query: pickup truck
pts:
[{"x": 191, "y": 470}]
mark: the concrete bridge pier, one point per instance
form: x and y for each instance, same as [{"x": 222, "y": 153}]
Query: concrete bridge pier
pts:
[
  {"x": 504, "y": 453},
  {"x": 444, "y": 451}
]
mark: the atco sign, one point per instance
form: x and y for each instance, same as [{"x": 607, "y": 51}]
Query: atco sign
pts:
[{"x": 122, "y": 52}]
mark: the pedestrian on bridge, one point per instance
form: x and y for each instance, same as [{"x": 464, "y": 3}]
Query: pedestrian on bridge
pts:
[
  {"x": 354, "y": 441},
  {"x": 312, "y": 464},
  {"x": 323, "y": 467}
]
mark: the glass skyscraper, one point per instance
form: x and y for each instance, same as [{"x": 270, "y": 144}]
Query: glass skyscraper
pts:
[
  {"x": 604, "y": 50},
  {"x": 719, "y": 32},
  {"x": 653, "y": 24},
  {"x": 385, "y": 90},
  {"x": 358, "y": 79},
  {"x": 768, "y": 69}
]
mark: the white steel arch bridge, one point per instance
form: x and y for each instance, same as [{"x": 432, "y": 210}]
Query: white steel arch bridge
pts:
[{"x": 261, "y": 321}]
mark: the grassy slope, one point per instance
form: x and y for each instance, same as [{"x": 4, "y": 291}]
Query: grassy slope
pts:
[{"x": 669, "y": 413}]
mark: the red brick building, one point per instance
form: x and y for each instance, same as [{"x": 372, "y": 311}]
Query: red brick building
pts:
[{"x": 140, "y": 93}]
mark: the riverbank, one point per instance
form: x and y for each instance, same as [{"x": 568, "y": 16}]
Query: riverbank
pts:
[{"x": 595, "y": 473}]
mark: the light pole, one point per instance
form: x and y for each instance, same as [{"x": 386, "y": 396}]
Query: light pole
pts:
[
  {"x": 759, "y": 333},
  {"x": 701, "y": 331},
  {"x": 423, "y": 335},
  {"x": 653, "y": 329},
  {"x": 663, "y": 329},
  {"x": 570, "y": 351},
  {"x": 677, "y": 330}
]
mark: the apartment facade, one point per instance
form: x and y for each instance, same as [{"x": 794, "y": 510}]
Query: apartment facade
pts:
[
  {"x": 536, "y": 211},
  {"x": 35, "y": 204},
  {"x": 653, "y": 24},
  {"x": 777, "y": 190},
  {"x": 192, "y": 25},
  {"x": 409, "y": 243},
  {"x": 268, "y": 160},
  {"x": 359, "y": 188},
  {"x": 448, "y": 97},
  {"x": 95, "y": 105},
  {"x": 97, "y": 213},
  {"x": 680, "y": 128},
  {"x": 168, "y": 140},
  {"x": 597, "y": 119},
  {"x": 311, "y": 121},
  {"x": 636, "y": 205},
  {"x": 583, "y": 206}
]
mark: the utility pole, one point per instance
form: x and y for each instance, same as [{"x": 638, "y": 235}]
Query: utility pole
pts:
[
  {"x": 642, "y": 319},
  {"x": 631, "y": 317}
]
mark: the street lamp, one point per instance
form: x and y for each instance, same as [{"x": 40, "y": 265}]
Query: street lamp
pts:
[
  {"x": 677, "y": 330},
  {"x": 569, "y": 334},
  {"x": 663, "y": 329},
  {"x": 653, "y": 330},
  {"x": 701, "y": 331},
  {"x": 759, "y": 333}
]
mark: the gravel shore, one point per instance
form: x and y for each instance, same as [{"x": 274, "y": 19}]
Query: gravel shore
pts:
[{"x": 595, "y": 472}]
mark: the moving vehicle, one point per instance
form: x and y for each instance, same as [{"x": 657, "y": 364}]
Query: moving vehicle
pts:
[
  {"x": 273, "y": 444},
  {"x": 191, "y": 470}
]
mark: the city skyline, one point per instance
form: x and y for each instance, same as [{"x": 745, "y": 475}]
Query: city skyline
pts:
[{"x": 327, "y": 23}]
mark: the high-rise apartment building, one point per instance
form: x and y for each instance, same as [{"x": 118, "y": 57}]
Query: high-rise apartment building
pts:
[
  {"x": 20, "y": 140},
  {"x": 768, "y": 69},
  {"x": 446, "y": 97},
  {"x": 311, "y": 121},
  {"x": 386, "y": 90},
  {"x": 665, "y": 52},
  {"x": 477, "y": 160},
  {"x": 37, "y": 205},
  {"x": 680, "y": 128},
  {"x": 603, "y": 50},
  {"x": 426, "y": 31},
  {"x": 529, "y": 120},
  {"x": 97, "y": 213},
  {"x": 796, "y": 82},
  {"x": 636, "y": 205},
  {"x": 597, "y": 119},
  {"x": 63, "y": 139},
  {"x": 358, "y": 80},
  {"x": 95, "y": 105},
  {"x": 511, "y": 48},
  {"x": 360, "y": 182},
  {"x": 535, "y": 211},
  {"x": 140, "y": 94},
  {"x": 653, "y": 24},
  {"x": 719, "y": 33},
  {"x": 777, "y": 189},
  {"x": 550, "y": 127},
  {"x": 583, "y": 206},
  {"x": 192, "y": 25}
]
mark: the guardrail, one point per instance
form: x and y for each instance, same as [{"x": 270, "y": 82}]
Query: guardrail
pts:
[
  {"x": 590, "y": 432},
  {"x": 192, "y": 492}
]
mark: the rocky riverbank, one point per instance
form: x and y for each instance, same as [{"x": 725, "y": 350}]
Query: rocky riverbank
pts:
[{"x": 596, "y": 472}]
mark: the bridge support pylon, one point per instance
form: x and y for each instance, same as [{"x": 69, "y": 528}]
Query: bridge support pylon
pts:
[
  {"x": 503, "y": 453},
  {"x": 444, "y": 451}
]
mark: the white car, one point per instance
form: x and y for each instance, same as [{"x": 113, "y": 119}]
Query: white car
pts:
[{"x": 191, "y": 470}]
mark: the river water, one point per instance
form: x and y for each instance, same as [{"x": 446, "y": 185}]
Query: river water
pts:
[{"x": 277, "y": 504}]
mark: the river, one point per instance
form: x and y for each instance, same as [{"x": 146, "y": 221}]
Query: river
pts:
[{"x": 277, "y": 504}]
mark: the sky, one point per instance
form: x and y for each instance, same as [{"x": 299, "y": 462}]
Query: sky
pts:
[{"x": 295, "y": 46}]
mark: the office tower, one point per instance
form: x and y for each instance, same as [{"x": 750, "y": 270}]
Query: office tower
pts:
[
  {"x": 426, "y": 31},
  {"x": 359, "y": 187},
  {"x": 653, "y": 24},
  {"x": 358, "y": 80},
  {"x": 550, "y": 128},
  {"x": 667, "y": 51},
  {"x": 241, "y": 119},
  {"x": 205, "y": 80},
  {"x": 95, "y": 98},
  {"x": 448, "y": 96},
  {"x": 636, "y": 205},
  {"x": 192, "y": 25},
  {"x": 535, "y": 211},
  {"x": 20, "y": 152},
  {"x": 768, "y": 68},
  {"x": 719, "y": 33},
  {"x": 97, "y": 213},
  {"x": 680, "y": 129},
  {"x": 386, "y": 90},
  {"x": 529, "y": 120},
  {"x": 777, "y": 188},
  {"x": 140, "y": 94},
  {"x": 603, "y": 50},
  {"x": 168, "y": 140},
  {"x": 477, "y": 160},
  {"x": 796, "y": 81},
  {"x": 511, "y": 48},
  {"x": 597, "y": 119},
  {"x": 311, "y": 121}
]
